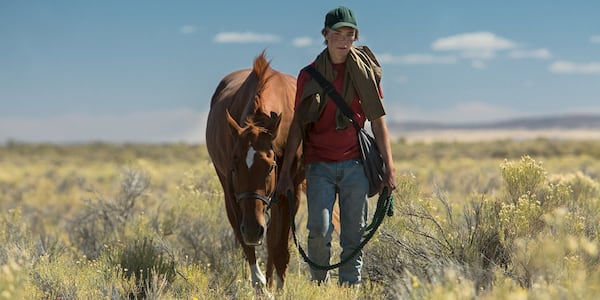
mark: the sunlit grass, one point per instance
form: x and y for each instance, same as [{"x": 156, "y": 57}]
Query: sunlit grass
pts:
[{"x": 490, "y": 220}]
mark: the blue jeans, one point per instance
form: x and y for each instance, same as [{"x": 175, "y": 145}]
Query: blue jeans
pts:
[{"x": 324, "y": 180}]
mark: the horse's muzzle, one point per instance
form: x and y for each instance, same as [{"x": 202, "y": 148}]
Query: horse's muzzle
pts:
[
  {"x": 254, "y": 217},
  {"x": 252, "y": 235}
]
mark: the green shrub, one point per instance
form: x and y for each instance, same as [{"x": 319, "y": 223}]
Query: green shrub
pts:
[
  {"x": 520, "y": 220},
  {"x": 104, "y": 220},
  {"x": 15, "y": 239},
  {"x": 522, "y": 177},
  {"x": 14, "y": 276},
  {"x": 150, "y": 265}
]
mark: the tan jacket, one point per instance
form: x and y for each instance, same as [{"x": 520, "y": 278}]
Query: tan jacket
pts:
[{"x": 363, "y": 76}]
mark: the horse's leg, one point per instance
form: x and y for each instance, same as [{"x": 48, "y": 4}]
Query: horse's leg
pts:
[
  {"x": 280, "y": 230},
  {"x": 270, "y": 253},
  {"x": 277, "y": 242},
  {"x": 234, "y": 216},
  {"x": 258, "y": 279}
]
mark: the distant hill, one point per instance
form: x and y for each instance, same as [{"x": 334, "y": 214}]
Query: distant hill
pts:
[
  {"x": 574, "y": 121},
  {"x": 575, "y": 126}
]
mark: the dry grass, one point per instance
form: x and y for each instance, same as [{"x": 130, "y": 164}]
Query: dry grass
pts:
[{"x": 472, "y": 220}]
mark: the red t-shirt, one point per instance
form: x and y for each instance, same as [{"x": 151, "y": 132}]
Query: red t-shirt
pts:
[{"x": 323, "y": 141}]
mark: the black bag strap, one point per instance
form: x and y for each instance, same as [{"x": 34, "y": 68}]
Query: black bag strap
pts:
[{"x": 330, "y": 89}]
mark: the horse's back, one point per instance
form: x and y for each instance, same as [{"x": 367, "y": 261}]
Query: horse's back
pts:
[
  {"x": 225, "y": 98},
  {"x": 228, "y": 86}
]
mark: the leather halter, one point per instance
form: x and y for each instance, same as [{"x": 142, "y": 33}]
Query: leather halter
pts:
[
  {"x": 266, "y": 199},
  {"x": 252, "y": 195}
]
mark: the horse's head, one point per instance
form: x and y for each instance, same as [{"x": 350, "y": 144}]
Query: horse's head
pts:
[{"x": 253, "y": 172}]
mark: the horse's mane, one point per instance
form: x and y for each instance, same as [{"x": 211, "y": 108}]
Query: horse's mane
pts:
[
  {"x": 263, "y": 72},
  {"x": 261, "y": 69}
]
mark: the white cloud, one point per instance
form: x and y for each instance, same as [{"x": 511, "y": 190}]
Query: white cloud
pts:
[
  {"x": 159, "y": 126},
  {"x": 413, "y": 59},
  {"x": 567, "y": 67},
  {"x": 475, "y": 45},
  {"x": 595, "y": 39},
  {"x": 302, "y": 42},
  {"x": 245, "y": 37},
  {"x": 478, "y": 54},
  {"x": 187, "y": 29},
  {"x": 541, "y": 53}
]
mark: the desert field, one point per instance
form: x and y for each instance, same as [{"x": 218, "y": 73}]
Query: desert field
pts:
[
  {"x": 476, "y": 216},
  {"x": 474, "y": 135}
]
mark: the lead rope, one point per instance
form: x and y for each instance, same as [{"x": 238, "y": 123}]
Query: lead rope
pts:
[{"x": 385, "y": 206}]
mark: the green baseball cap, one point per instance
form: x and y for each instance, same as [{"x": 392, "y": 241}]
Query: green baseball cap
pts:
[{"x": 340, "y": 17}]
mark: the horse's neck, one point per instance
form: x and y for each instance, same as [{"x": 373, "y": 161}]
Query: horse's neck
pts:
[{"x": 249, "y": 109}]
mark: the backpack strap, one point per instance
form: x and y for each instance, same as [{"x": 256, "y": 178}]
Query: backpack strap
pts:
[{"x": 330, "y": 90}]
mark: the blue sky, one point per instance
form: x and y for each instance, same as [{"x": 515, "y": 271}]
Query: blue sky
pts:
[{"x": 144, "y": 71}]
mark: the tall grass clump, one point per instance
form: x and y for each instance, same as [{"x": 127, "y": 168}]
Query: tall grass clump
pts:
[
  {"x": 13, "y": 278},
  {"x": 150, "y": 264},
  {"x": 16, "y": 253},
  {"x": 197, "y": 222},
  {"x": 429, "y": 247},
  {"x": 16, "y": 242},
  {"x": 103, "y": 220},
  {"x": 534, "y": 234},
  {"x": 554, "y": 222}
]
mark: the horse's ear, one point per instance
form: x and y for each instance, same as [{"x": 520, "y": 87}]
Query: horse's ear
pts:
[{"x": 233, "y": 125}]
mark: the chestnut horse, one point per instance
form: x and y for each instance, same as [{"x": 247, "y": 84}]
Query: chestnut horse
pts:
[{"x": 248, "y": 123}]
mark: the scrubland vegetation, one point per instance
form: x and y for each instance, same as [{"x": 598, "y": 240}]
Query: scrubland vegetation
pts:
[{"x": 481, "y": 220}]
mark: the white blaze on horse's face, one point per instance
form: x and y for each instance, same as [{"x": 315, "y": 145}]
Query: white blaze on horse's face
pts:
[{"x": 250, "y": 157}]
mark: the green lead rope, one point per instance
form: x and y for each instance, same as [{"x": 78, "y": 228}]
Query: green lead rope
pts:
[{"x": 385, "y": 206}]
